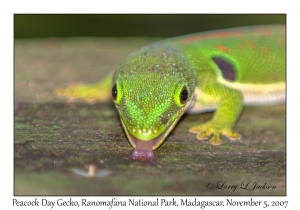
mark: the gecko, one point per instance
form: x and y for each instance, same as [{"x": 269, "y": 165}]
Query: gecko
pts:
[{"x": 217, "y": 71}]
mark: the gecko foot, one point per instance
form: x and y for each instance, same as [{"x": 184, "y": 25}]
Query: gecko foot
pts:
[
  {"x": 89, "y": 93},
  {"x": 211, "y": 131}
]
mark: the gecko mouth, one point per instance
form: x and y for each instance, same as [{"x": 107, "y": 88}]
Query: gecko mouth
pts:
[{"x": 144, "y": 149}]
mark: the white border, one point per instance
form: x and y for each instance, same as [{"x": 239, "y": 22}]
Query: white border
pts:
[{"x": 8, "y": 8}]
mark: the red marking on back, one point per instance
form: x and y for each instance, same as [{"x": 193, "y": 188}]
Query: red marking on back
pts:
[
  {"x": 262, "y": 31},
  {"x": 264, "y": 50},
  {"x": 223, "y": 48},
  {"x": 256, "y": 32},
  {"x": 281, "y": 41},
  {"x": 266, "y": 32},
  {"x": 192, "y": 39},
  {"x": 240, "y": 46},
  {"x": 214, "y": 35},
  {"x": 250, "y": 44}
]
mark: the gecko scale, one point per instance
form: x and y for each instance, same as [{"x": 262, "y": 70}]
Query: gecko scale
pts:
[{"x": 219, "y": 71}]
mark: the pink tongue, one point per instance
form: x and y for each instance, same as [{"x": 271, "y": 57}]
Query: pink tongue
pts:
[{"x": 143, "y": 151}]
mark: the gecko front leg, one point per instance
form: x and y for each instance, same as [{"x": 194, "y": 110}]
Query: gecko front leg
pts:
[{"x": 229, "y": 108}]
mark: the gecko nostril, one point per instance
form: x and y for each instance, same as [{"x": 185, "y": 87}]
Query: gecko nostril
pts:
[{"x": 164, "y": 120}]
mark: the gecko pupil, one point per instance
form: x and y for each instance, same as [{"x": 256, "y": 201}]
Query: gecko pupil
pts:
[
  {"x": 114, "y": 92},
  {"x": 183, "y": 95}
]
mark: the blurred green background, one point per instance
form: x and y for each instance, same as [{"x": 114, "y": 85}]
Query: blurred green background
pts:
[{"x": 113, "y": 25}]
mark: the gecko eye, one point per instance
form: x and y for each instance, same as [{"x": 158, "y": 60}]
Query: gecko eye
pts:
[
  {"x": 114, "y": 92},
  {"x": 183, "y": 95}
]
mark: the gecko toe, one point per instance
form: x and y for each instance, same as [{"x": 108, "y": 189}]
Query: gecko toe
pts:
[
  {"x": 203, "y": 136},
  {"x": 195, "y": 129},
  {"x": 215, "y": 140},
  {"x": 232, "y": 135}
]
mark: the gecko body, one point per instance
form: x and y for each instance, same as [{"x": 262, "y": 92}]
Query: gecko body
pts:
[{"x": 220, "y": 71}]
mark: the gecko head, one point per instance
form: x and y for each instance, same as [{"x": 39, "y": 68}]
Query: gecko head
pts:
[{"x": 151, "y": 90}]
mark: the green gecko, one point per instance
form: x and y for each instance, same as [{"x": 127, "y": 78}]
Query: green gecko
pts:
[{"x": 219, "y": 70}]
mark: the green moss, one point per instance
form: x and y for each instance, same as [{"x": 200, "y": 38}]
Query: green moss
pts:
[{"x": 21, "y": 126}]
